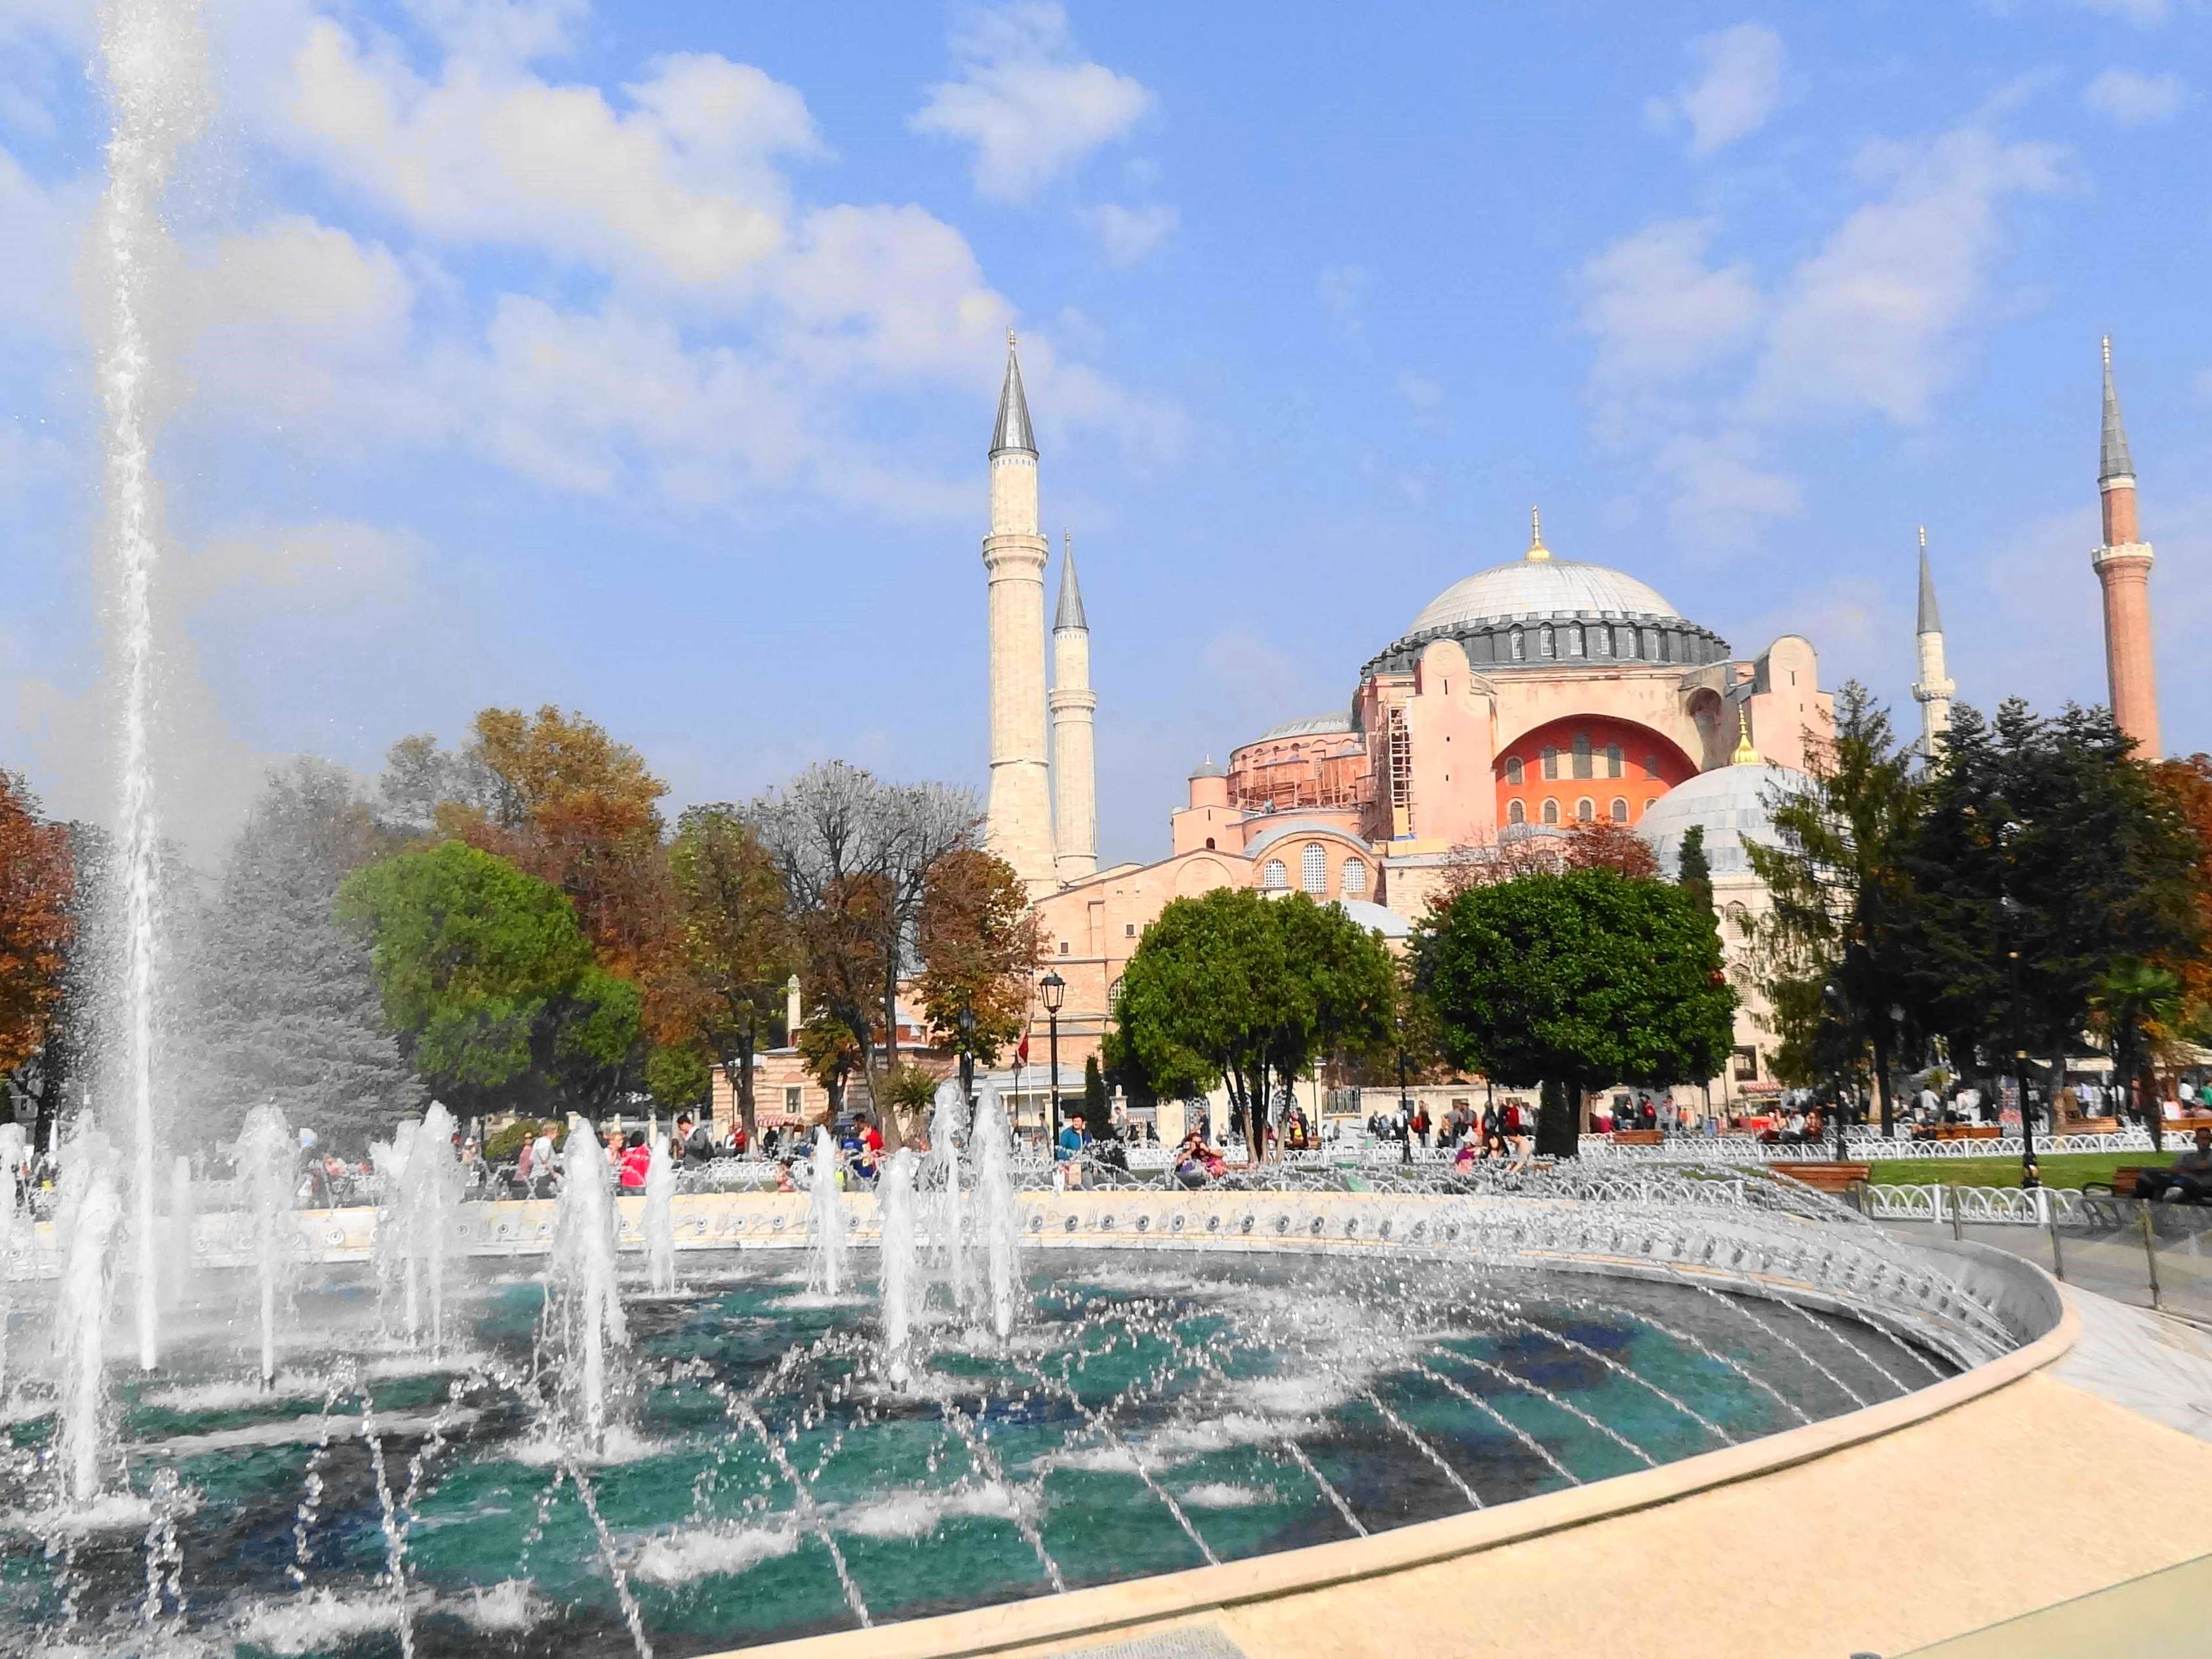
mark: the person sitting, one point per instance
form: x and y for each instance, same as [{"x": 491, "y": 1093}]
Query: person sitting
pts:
[
  {"x": 2190, "y": 1180},
  {"x": 1463, "y": 1159},
  {"x": 784, "y": 1183},
  {"x": 1195, "y": 1160}
]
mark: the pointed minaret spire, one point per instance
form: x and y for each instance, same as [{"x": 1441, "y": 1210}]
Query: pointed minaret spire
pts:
[
  {"x": 2113, "y": 460},
  {"x": 1074, "y": 713},
  {"x": 1745, "y": 754},
  {"x": 1537, "y": 550},
  {"x": 1012, "y": 431},
  {"x": 1934, "y": 690},
  {"x": 1069, "y": 613},
  {"x": 2123, "y": 567}
]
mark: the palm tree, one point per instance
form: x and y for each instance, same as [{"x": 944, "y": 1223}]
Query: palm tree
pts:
[{"x": 2135, "y": 1006}]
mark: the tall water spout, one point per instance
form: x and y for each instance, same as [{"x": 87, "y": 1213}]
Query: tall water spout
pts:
[
  {"x": 825, "y": 1217},
  {"x": 15, "y": 1234},
  {"x": 660, "y": 1220},
  {"x": 85, "y": 1221},
  {"x": 584, "y": 1225},
  {"x": 997, "y": 1211},
  {"x": 152, "y": 56},
  {"x": 948, "y": 1128},
  {"x": 268, "y": 1159},
  {"x": 897, "y": 1260},
  {"x": 181, "y": 1208},
  {"x": 428, "y": 1210}
]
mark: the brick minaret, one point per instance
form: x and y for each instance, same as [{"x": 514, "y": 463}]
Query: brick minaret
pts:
[
  {"x": 1934, "y": 690},
  {"x": 1018, "y": 825},
  {"x": 1074, "y": 708},
  {"x": 2123, "y": 567}
]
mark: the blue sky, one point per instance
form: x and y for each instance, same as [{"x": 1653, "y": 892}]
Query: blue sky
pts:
[{"x": 642, "y": 358}]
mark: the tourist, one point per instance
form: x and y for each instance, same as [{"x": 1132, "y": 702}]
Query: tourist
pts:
[
  {"x": 1420, "y": 1125},
  {"x": 544, "y": 1171},
  {"x": 784, "y": 1183},
  {"x": 636, "y": 1160},
  {"x": 1463, "y": 1159},
  {"x": 2190, "y": 1180},
  {"x": 700, "y": 1148}
]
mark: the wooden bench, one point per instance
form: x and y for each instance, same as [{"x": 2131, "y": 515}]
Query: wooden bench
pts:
[
  {"x": 1825, "y": 1177},
  {"x": 1639, "y": 1137},
  {"x": 2089, "y": 1126},
  {"x": 1965, "y": 1132}
]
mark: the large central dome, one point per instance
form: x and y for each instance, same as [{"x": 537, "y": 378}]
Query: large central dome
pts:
[{"x": 1530, "y": 588}]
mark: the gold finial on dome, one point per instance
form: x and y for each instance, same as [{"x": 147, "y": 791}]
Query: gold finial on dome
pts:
[
  {"x": 1537, "y": 550},
  {"x": 1745, "y": 754}
]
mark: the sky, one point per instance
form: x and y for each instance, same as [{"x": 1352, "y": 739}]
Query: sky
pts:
[{"x": 642, "y": 359}]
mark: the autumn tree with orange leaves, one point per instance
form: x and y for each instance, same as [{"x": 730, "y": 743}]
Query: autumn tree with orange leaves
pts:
[
  {"x": 37, "y": 883},
  {"x": 2188, "y": 785}
]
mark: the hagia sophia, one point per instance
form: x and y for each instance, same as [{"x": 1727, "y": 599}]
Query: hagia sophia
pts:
[{"x": 1540, "y": 691}]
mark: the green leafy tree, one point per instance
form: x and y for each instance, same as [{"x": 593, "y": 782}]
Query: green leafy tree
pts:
[
  {"x": 1236, "y": 988},
  {"x": 1574, "y": 981},
  {"x": 2135, "y": 1006},
  {"x": 2048, "y": 857},
  {"x": 906, "y": 1094},
  {"x": 1097, "y": 1109},
  {"x": 1693, "y": 870},
  {"x": 1836, "y": 945},
  {"x": 490, "y": 985},
  {"x": 720, "y": 985},
  {"x": 678, "y": 1077}
]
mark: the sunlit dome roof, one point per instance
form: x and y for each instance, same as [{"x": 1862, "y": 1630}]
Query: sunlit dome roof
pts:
[
  {"x": 1541, "y": 587},
  {"x": 1316, "y": 726},
  {"x": 1732, "y": 802}
]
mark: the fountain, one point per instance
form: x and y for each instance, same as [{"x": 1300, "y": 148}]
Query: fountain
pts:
[
  {"x": 660, "y": 1220},
  {"x": 268, "y": 1161},
  {"x": 585, "y": 1297},
  {"x": 86, "y": 1220},
  {"x": 825, "y": 1218},
  {"x": 426, "y": 1203},
  {"x": 180, "y": 1241},
  {"x": 896, "y": 1268},
  {"x": 998, "y": 1214},
  {"x": 948, "y": 1128}
]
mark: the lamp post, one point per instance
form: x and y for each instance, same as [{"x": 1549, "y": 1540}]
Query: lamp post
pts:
[
  {"x": 2010, "y": 911},
  {"x": 965, "y": 1020},
  {"x": 1055, "y": 990}
]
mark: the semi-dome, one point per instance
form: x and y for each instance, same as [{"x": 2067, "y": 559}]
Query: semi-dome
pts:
[
  {"x": 1529, "y": 588},
  {"x": 1732, "y": 802},
  {"x": 1315, "y": 725}
]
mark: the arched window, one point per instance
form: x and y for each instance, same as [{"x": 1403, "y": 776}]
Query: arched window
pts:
[
  {"x": 1275, "y": 874},
  {"x": 1515, "y": 812},
  {"x": 1355, "y": 875},
  {"x": 1544, "y": 644},
  {"x": 1572, "y": 638},
  {"x": 1520, "y": 646},
  {"x": 1601, "y": 642},
  {"x": 1514, "y": 772},
  {"x": 1551, "y": 812},
  {"x": 1651, "y": 643},
  {"x": 1651, "y": 766},
  {"x": 1209, "y": 843},
  {"x": 1551, "y": 763},
  {"x": 1613, "y": 766},
  {"x": 1313, "y": 868},
  {"x": 1620, "y": 809},
  {"x": 1585, "y": 811},
  {"x": 1624, "y": 641},
  {"x": 1581, "y": 754}
]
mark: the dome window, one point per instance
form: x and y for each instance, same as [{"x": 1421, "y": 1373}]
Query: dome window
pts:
[
  {"x": 1545, "y": 641},
  {"x": 1551, "y": 812},
  {"x": 1313, "y": 868},
  {"x": 1275, "y": 876},
  {"x": 1601, "y": 642},
  {"x": 1573, "y": 638},
  {"x": 1520, "y": 646},
  {"x": 1624, "y": 641},
  {"x": 1513, "y": 771},
  {"x": 1651, "y": 643}
]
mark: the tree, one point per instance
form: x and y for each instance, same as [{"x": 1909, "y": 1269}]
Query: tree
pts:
[
  {"x": 2188, "y": 785},
  {"x": 1693, "y": 871},
  {"x": 979, "y": 944},
  {"x": 280, "y": 1005},
  {"x": 1574, "y": 981},
  {"x": 2136, "y": 1007},
  {"x": 1237, "y": 988},
  {"x": 856, "y": 853},
  {"x": 1097, "y": 1109},
  {"x": 2046, "y": 858},
  {"x": 1836, "y": 941},
  {"x": 831, "y": 1053},
  {"x": 906, "y": 1094},
  {"x": 1602, "y": 844},
  {"x": 38, "y": 884},
  {"x": 489, "y": 984},
  {"x": 679, "y": 1078},
  {"x": 722, "y": 982}
]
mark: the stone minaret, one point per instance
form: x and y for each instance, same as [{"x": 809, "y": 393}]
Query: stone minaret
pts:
[
  {"x": 1018, "y": 826},
  {"x": 2123, "y": 567},
  {"x": 1934, "y": 690},
  {"x": 1074, "y": 704}
]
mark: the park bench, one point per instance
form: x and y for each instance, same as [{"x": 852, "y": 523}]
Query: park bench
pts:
[
  {"x": 1966, "y": 1131},
  {"x": 1639, "y": 1137},
  {"x": 1825, "y": 1177}
]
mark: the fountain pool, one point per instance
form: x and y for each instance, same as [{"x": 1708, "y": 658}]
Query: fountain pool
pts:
[{"x": 760, "y": 1475}]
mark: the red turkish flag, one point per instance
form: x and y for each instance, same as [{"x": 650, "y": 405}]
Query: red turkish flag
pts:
[{"x": 1022, "y": 1050}]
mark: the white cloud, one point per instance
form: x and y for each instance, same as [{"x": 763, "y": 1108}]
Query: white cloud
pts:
[
  {"x": 1024, "y": 97},
  {"x": 2128, "y": 99},
  {"x": 515, "y": 31},
  {"x": 1869, "y": 322},
  {"x": 1722, "y": 494},
  {"x": 1659, "y": 311},
  {"x": 1127, "y": 235},
  {"x": 679, "y": 189},
  {"x": 1343, "y": 289},
  {"x": 1740, "y": 84},
  {"x": 1420, "y": 390},
  {"x": 44, "y": 227}
]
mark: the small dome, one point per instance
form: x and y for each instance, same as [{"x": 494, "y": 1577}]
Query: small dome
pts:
[
  {"x": 1207, "y": 769},
  {"x": 1542, "y": 587},
  {"x": 1731, "y": 802}
]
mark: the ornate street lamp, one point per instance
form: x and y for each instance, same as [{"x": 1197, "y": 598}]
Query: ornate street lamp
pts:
[{"x": 1054, "y": 991}]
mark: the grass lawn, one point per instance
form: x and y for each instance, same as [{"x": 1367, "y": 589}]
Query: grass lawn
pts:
[{"x": 2061, "y": 1169}]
